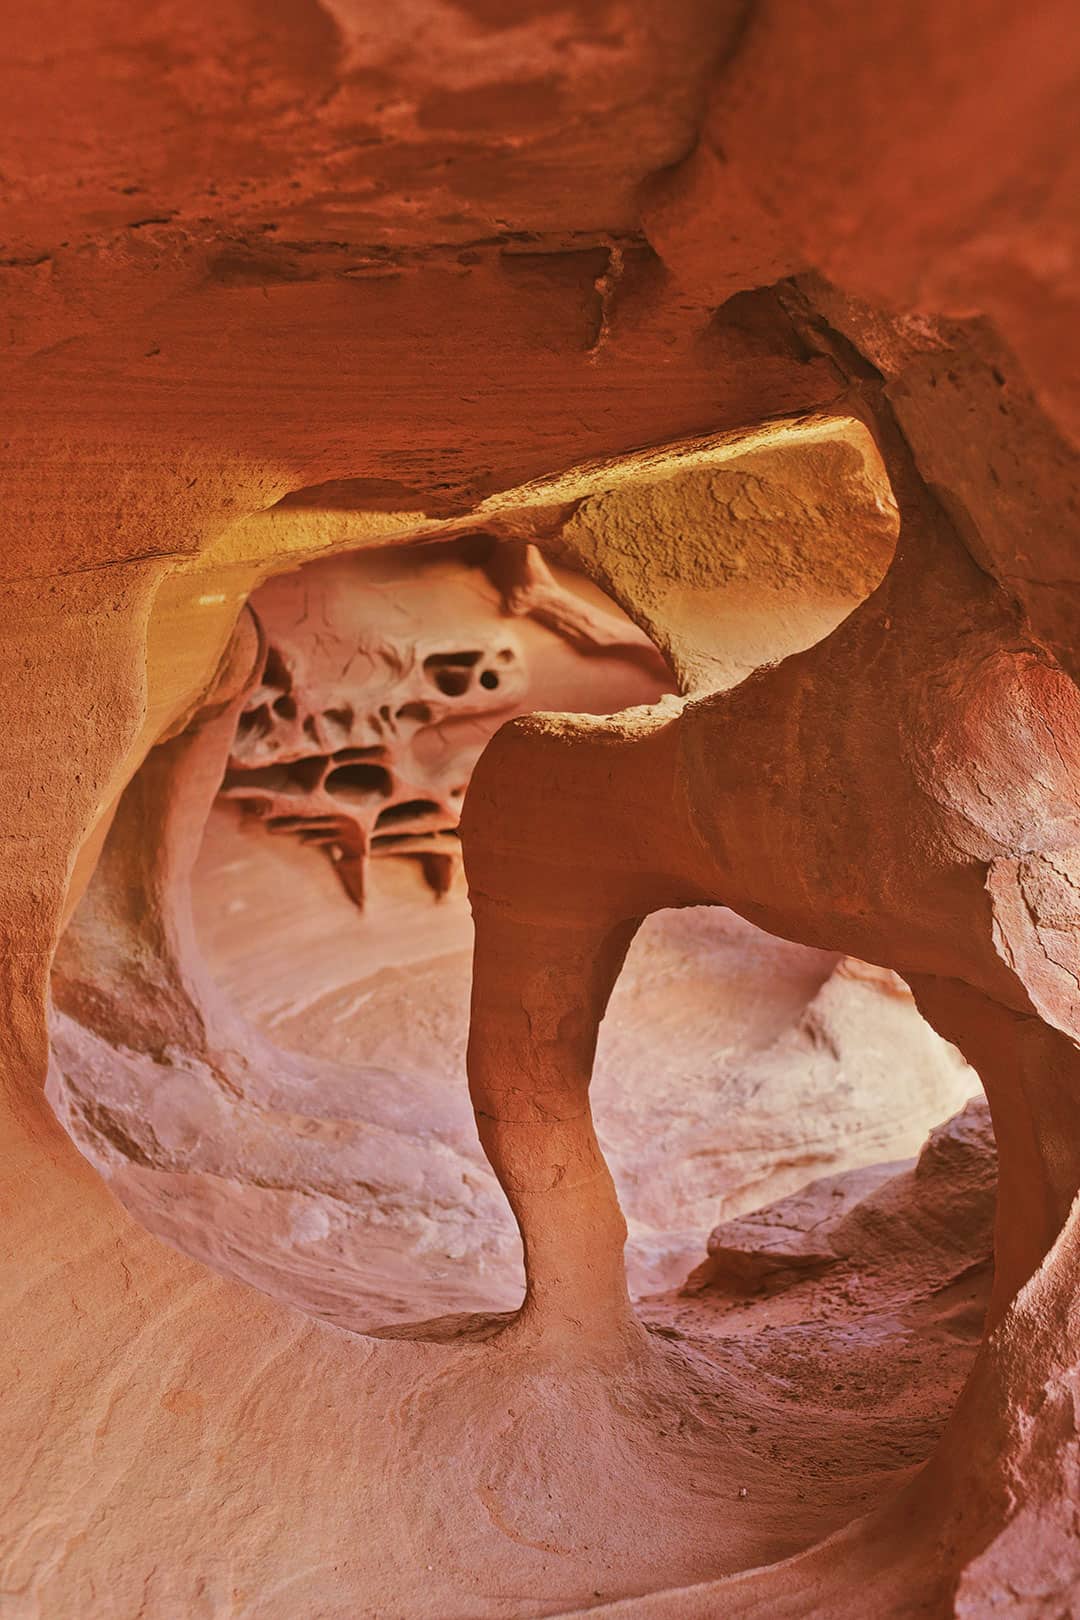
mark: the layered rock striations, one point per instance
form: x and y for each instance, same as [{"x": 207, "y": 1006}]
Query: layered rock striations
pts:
[{"x": 764, "y": 324}]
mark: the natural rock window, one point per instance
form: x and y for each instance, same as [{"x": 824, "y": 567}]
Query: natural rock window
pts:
[{"x": 330, "y": 903}]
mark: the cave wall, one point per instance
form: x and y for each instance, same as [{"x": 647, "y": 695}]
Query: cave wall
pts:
[{"x": 236, "y": 270}]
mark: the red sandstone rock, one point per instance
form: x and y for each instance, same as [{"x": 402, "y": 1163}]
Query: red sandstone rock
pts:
[
  {"x": 649, "y": 289},
  {"x": 948, "y": 1194}
]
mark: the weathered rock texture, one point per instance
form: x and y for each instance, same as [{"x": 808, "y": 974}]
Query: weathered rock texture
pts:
[
  {"x": 379, "y": 686},
  {"x": 764, "y": 318}
]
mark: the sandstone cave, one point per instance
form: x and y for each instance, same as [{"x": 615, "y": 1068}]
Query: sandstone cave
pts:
[{"x": 541, "y": 811}]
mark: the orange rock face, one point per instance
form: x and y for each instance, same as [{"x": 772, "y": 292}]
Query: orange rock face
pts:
[{"x": 618, "y": 466}]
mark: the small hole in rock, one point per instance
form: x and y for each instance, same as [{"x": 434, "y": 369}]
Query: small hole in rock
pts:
[
  {"x": 452, "y": 672},
  {"x": 358, "y": 782},
  {"x": 452, "y": 682},
  {"x": 299, "y": 778},
  {"x": 276, "y": 671},
  {"x": 255, "y": 723},
  {"x": 406, "y": 811}
]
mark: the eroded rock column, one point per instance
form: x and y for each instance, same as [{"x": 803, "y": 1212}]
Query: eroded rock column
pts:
[{"x": 568, "y": 829}]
